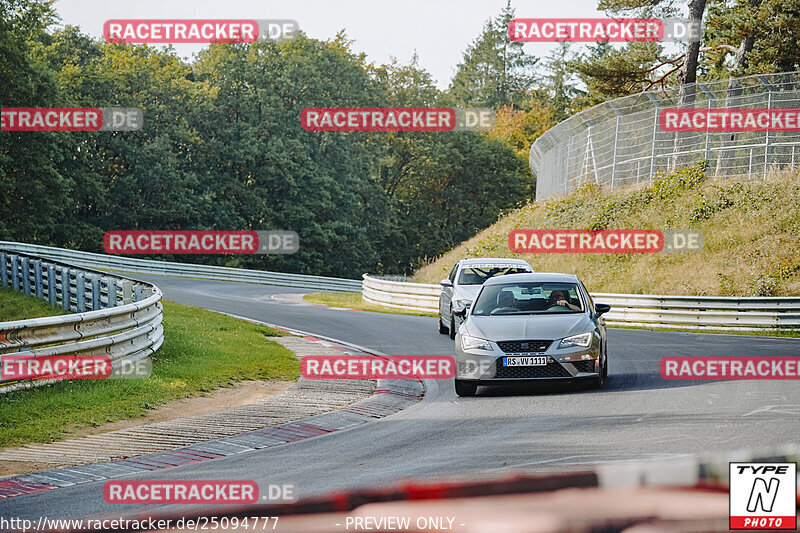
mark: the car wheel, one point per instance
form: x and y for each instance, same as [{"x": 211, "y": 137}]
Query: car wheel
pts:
[
  {"x": 601, "y": 378},
  {"x": 452, "y": 325},
  {"x": 442, "y": 328},
  {"x": 464, "y": 388}
]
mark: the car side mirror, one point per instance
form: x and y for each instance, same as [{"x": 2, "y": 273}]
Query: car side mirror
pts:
[
  {"x": 602, "y": 308},
  {"x": 460, "y": 312},
  {"x": 446, "y": 282}
]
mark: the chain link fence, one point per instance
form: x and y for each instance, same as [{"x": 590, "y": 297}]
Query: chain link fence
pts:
[{"x": 619, "y": 142}]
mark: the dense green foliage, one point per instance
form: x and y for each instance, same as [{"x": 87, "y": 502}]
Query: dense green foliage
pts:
[{"x": 222, "y": 148}]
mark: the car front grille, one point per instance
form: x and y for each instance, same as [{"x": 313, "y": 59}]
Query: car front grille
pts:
[
  {"x": 524, "y": 346},
  {"x": 584, "y": 366},
  {"x": 551, "y": 370}
]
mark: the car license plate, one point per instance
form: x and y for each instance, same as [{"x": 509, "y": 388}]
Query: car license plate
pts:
[{"x": 525, "y": 361}]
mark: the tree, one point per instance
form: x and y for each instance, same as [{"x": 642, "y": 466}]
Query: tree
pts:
[
  {"x": 495, "y": 70},
  {"x": 610, "y": 72},
  {"x": 35, "y": 200}
]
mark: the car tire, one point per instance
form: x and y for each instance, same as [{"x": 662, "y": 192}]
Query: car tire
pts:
[
  {"x": 452, "y": 325},
  {"x": 442, "y": 328},
  {"x": 464, "y": 388},
  {"x": 600, "y": 380}
]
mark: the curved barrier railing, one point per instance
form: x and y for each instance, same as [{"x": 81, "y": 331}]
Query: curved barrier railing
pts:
[
  {"x": 185, "y": 270},
  {"x": 401, "y": 295},
  {"x": 654, "y": 311},
  {"x": 113, "y": 315}
]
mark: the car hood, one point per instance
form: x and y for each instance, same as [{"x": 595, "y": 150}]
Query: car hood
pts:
[
  {"x": 466, "y": 292},
  {"x": 555, "y": 326}
]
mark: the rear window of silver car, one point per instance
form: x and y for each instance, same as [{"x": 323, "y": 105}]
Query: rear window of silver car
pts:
[{"x": 476, "y": 275}]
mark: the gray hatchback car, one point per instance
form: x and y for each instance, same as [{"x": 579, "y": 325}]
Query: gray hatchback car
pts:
[
  {"x": 461, "y": 286},
  {"x": 527, "y": 328}
]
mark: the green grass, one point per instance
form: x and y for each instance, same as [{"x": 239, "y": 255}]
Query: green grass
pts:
[
  {"x": 202, "y": 351},
  {"x": 17, "y": 306},
  {"x": 353, "y": 300},
  {"x": 751, "y": 230}
]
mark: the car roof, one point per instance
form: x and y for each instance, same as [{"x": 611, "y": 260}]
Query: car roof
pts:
[
  {"x": 549, "y": 277},
  {"x": 494, "y": 261}
]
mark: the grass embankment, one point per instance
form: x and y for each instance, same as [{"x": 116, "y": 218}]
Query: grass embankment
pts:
[
  {"x": 17, "y": 306},
  {"x": 353, "y": 300},
  {"x": 751, "y": 230},
  {"x": 202, "y": 351}
]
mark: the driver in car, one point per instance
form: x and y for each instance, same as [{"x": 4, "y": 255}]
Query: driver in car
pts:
[{"x": 560, "y": 297}]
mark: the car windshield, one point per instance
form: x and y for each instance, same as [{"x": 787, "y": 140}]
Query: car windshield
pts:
[
  {"x": 532, "y": 298},
  {"x": 476, "y": 275}
]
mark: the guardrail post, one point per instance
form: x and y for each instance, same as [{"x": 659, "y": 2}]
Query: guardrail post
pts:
[
  {"x": 137, "y": 293},
  {"x": 3, "y": 270},
  {"x": 111, "y": 292},
  {"x": 127, "y": 291},
  {"x": 65, "y": 289},
  {"x": 15, "y": 272},
  {"x": 51, "y": 284},
  {"x": 37, "y": 278},
  {"x": 26, "y": 275},
  {"x": 80, "y": 292},
  {"x": 95, "y": 282}
]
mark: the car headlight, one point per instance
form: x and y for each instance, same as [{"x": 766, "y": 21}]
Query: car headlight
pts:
[
  {"x": 474, "y": 343},
  {"x": 463, "y": 303},
  {"x": 576, "y": 341}
]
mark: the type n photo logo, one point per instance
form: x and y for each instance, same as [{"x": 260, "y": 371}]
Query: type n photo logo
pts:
[{"x": 763, "y": 496}]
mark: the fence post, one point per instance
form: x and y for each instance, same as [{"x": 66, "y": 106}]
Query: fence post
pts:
[
  {"x": 51, "y": 284},
  {"x": 111, "y": 292},
  {"x": 616, "y": 140},
  {"x": 655, "y": 134},
  {"x": 767, "y": 137},
  {"x": 15, "y": 272},
  {"x": 95, "y": 281},
  {"x": 711, "y": 100},
  {"x": 66, "y": 304},
  {"x": 80, "y": 291},
  {"x": 127, "y": 291},
  {"x": 26, "y": 275},
  {"x": 3, "y": 270},
  {"x": 37, "y": 278}
]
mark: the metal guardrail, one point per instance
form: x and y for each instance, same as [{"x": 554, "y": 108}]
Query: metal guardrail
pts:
[
  {"x": 619, "y": 142},
  {"x": 185, "y": 270},
  {"x": 654, "y": 311},
  {"x": 114, "y": 316},
  {"x": 401, "y": 295}
]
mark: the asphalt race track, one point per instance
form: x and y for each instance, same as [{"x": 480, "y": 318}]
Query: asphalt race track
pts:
[{"x": 637, "y": 415}]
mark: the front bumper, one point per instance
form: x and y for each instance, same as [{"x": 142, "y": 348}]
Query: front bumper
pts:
[{"x": 488, "y": 368}]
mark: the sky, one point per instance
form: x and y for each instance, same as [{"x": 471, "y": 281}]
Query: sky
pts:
[{"x": 438, "y": 30}]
